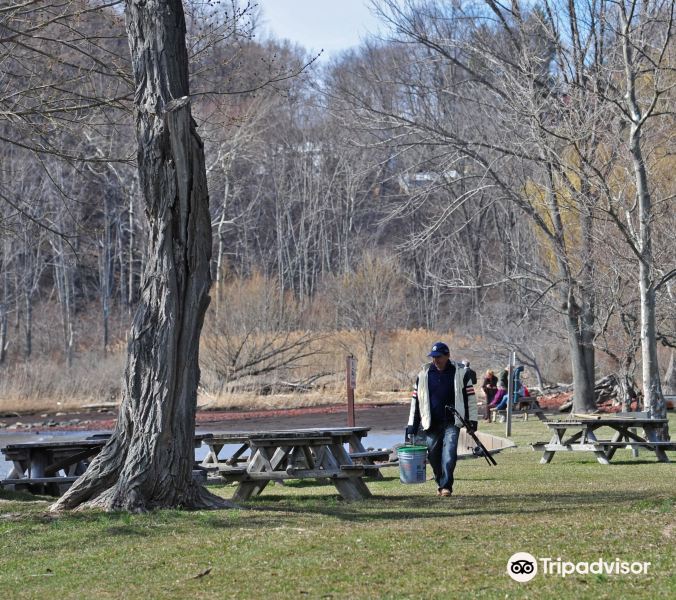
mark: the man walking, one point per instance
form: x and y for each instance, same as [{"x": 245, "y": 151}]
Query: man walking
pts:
[{"x": 441, "y": 386}]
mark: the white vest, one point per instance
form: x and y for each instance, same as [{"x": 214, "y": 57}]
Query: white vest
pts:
[{"x": 423, "y": 398}]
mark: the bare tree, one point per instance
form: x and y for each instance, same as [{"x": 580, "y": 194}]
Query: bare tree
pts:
[
  {"x": 524, "y": 95},
  {"x": 369, "y": 301},
  {"x": 507, "y": 140},
  {"x": 646, "y": 38},
  {"x": 258, "y": 341},
  {"x": 148, "y": 461}
]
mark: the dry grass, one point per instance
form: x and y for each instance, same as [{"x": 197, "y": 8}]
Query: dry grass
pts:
[
  {"x": 49, "y": 385},
  {"x": 44, "y": 385},
  {"x": 252, "y": 401},
  {"x": 398, "y": 358}
]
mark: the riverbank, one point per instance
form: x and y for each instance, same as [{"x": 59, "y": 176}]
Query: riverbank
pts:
[{"x": 380, "y": 417}]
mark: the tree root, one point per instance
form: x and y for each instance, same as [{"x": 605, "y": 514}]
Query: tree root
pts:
[{"x": 114, "y": 499}]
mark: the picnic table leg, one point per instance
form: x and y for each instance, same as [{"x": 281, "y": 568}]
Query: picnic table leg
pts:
[
  {"x": 260, "y": 463},
  {"x": 324, "y": 459},
  {"x": 611, "y": 451},
  {"x": 36, "y": 468},
  {"x": 549, "y": 454},
  {"x": 74, "y": 470},
  {"x": 212, "y": 456},
  {"x": 352, "y": 488},
  {"x": 601, "y": 456},
  {"x": 547, "y": 457},
  {"x": 18, "y": 470},
  {"x": 357, "y": 446},
  {"x": 298, "y": 459},
  {"x": 234, "y": 459},
  {"x": 661, "y": 455},
  {"x": 355, "y": 443},
  {"x": 246, "y": 489},
  {"x": 309, "y": 458},
  {"x": 651, "y": 436}
]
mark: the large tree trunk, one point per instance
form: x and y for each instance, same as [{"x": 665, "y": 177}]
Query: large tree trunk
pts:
[
  {"x": 578, "y": 313},
  {"x": 149, "y": 459},
  {"x": 583, "y": 399},
  {"x": 653, "y": 399}
]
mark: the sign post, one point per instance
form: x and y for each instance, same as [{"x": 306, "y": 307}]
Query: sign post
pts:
[{"x": 351, "y": 383}]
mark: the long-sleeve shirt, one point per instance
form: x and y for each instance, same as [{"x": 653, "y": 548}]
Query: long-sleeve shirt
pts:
[
  {"x": 463, "y": 399},
  {"x": 441, "y": 386}
]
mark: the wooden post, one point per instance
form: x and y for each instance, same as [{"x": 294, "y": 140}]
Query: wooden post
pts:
[
  {"x": 350, "y": 383},
  {"x": 510, "y": 393}
]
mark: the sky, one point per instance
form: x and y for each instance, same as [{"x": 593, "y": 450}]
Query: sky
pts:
[{"x": 332, "y": 25}]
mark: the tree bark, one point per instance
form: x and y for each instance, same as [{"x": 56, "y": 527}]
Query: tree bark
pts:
[
  {"x": 148, "y": 461},
  {"x": 653, "y": 398},
  {"x": 105, "y": 271},
  {"x": 3, "y": 302},
  {"x": 577, "y": 319}
]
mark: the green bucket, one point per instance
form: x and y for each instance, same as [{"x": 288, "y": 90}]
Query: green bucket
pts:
[{"x": 412, "y": 464}]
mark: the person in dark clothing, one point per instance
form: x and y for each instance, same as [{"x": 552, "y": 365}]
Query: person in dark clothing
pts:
[
  {"x": 470, "y": 372},
  {"x": 503, "y": 380},
  {"x": 442, "y": 384},
  {"x": 489, "y": 387}
]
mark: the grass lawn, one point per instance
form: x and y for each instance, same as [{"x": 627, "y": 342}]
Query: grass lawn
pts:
[{"x": 302, "y": 541}]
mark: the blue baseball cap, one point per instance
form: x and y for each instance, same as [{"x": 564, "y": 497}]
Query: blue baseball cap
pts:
[{"x": 439, "y": 349}]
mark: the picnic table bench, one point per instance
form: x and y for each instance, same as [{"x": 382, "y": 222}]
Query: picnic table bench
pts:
[
  {"x": 51, "y": 466},
  {"x": 582, "y": 437},
  {"x": 274, "y": 456}
]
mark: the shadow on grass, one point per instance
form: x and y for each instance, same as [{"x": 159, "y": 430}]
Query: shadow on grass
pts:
[
  {"x": 314, "y": 483},
  {"x": 21, "y": 496},
  {"x": 402, "y": 507},
  {"x": 126, "y": 530},
  {"x": 275, "y": 511},
  {"x": 634, "y": 462}
]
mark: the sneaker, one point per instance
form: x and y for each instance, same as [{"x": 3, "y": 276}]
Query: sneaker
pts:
[{"x": 444, "y": 492}]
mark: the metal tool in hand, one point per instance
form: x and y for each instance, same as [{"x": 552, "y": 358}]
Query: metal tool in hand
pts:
[{"x": 480, "y": 450}]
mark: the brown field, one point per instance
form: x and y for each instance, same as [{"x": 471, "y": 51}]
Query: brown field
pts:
[{"x": 48, "y": 385}]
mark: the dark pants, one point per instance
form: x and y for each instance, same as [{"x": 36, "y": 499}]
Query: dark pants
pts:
[{"x": 442, "y": 451}]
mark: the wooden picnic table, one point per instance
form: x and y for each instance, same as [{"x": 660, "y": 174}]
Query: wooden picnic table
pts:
[
  {"x": 265, "y": 456},
  {"x": 51, "y": 466},
  {"x": 582, "y": 437}
]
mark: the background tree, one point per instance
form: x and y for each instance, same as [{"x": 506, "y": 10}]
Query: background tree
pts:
[
  {"x": 369, "y": 300},
  {"x": 258, "y": 340}
]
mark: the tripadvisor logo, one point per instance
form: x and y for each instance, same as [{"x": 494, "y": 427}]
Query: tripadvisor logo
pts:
[{"x": 523, "y": 566}]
